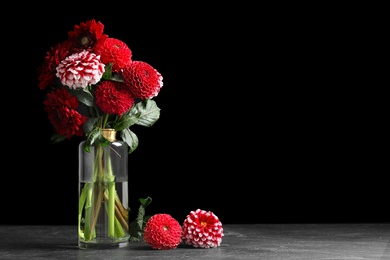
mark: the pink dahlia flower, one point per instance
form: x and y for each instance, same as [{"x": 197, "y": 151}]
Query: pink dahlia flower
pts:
[
  {"x": 80, "y": 70},
  {"x": 202, "y": 229},
  {"x": 162, "y": 232}
]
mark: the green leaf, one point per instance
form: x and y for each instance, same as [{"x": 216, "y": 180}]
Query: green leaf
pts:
[
  {"x": 117, "y": 77},
  {"x": 89, "y": 124},
  {"x": 85, "y": 97},
  {"x": 126, "y": 121},
  {"x": 148, "y": 112},
  {"x": 57, "y": 138},
  {"x": 137, "y": 226},
  {"x": 130, "y": 138},
  {"x": 92, "y": 137},
  {"x": 140, "y": 217},
  {"x": 134, "y": 232},
  {"x": 145, "y": 201},
  {"x": 107, "y": 71},
  {"x": 141, "y": 212}
]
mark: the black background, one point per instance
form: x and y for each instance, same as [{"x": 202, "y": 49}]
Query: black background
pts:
[{"x": 261, "y": 119}]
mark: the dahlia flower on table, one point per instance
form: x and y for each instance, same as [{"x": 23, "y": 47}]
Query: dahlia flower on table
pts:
[{"x": 202, "y": 229}]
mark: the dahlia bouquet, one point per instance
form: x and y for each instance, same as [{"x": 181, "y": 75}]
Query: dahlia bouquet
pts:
[{"x": 92, "y": 84}]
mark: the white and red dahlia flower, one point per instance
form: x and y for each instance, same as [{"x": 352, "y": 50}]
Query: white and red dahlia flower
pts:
[
  {"x": 80, "y": 70},
  {"x": 162, "y": 232},
  {"x": 202, "y": 229}
]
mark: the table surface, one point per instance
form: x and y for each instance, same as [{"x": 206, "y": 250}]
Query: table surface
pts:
[{"x": 247, "y": 241}]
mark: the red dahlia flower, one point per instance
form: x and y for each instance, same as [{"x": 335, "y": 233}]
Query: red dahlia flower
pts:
[
  {"x": 113, "y": 97},
  {"x": 62, "y": 112},
  {"x": 163, "y": 232},
  {"x": 142, "y": 79},
  {"x": 116, "y": 52},
  {"x": 86, "y": 36},
  {"x": 47, "y": 71},
  {"x": 202, "y": 229},
  {"x": 80, "y": 70}
]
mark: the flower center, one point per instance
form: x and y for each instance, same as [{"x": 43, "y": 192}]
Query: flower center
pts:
[{"x": 84, "y": 41}]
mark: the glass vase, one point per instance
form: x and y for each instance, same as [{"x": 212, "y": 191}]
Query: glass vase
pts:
[{"x": 103, "y": 215}]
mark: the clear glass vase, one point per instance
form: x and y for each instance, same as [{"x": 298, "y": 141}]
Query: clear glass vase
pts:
[{"x": 103, "y": 215}]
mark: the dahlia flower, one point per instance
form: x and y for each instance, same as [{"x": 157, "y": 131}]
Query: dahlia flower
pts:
[
  {"x": 52, "y": 60},
  {"x": 87, "y": 36},
  {"x": 80, "y": 70},
  {"x": 113, "y": 97},
  {"x": 202, "y": 229},
  {"x": 115, "y": 51},
  {"x": 162, "y": 232},
  {"x": 62, "y": 110},
  {"x": 142, "y": 79}
]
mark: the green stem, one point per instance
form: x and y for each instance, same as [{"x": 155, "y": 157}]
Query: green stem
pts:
[
  {"x": 83, "y": 197},
  {"x": 88, "y": 212},
  {"x": 111, "y": 209},
  {"x": 94, "y": 198},
  {"x": 98, "y": 191},
  {"x": 111, "y": 198},
  {"x": 105, "y": 121},
  {"x": 124, "y": 212},
  {"x": 118, "y": 228},
  {"x": 121, "y": 216}
]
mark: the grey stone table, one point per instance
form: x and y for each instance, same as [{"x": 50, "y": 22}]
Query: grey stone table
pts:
[{"x": 248, "y": 241}]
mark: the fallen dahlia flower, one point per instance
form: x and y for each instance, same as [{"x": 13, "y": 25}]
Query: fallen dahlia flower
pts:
[
  {"x": 202, "y": 229},
  {"x": 163, "y": 232}
]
